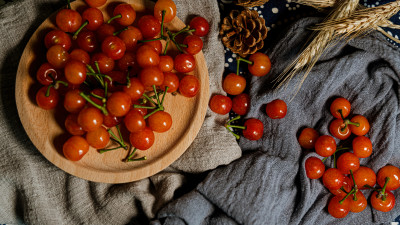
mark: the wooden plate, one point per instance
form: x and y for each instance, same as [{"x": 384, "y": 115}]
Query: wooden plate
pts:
[{"x": 46, "y": 128}]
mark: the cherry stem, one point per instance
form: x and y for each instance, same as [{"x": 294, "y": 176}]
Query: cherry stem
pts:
[
  {"x": 75, "y": 35},
  {"x": 228, "y": 126},
  {"x": 347, "y": 195},
  {"x": 113, "y": 18},
  {"x": 183, "y": 30},
  {"x": 354, "y": 124},
  {"x": 237, "y": 66},
  {"x": 138, "y": 159},
  {"x": 157, "y": 97},
  {"x": 163, "y": 97},
  {"x": 116, "y": 139},
  {"x": 148, "y": 98},
  {"x": 120, "y": 31},
  {"x": 110, "y": 149},
  {"x": 105, "y": 91},
  {"x": 370, "y": 187},
  {"x": 183, "y": 45},
  {"x": 156, "y": 39},
  {"x": 97, "y": 96},
  {"x": 128, "y": 80},
  {"x": 143, "y": 107},
  {"x": 166, "y": 46},
  {"x": 244, "y": 60},
  {"x": 55, "y": 85},
  {"x": 341, "y": 113},
  {"x": 172, "y": 38},
  {"x": 149, "y": 114},
  {"x": 68, "y": 4},
  {"x": 88, "y": 99},
  {"x": 382, "y": 192},
  {"x": 236, "y": 126},
  {"x": 337, "y": 150},
  {"x": 343, "y": 190},
  {"x": 162, "y": 22},
  {"x": 355, "y": 188}
]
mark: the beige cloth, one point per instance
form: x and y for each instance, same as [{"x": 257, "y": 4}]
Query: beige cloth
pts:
[{"x": 34, "y": 191}]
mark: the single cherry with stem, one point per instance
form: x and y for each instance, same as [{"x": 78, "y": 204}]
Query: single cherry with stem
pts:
[
  {"x": 253, "y": 129},
  {"x": 93, "y": 19},
  {"x": 123, "y": 14}
]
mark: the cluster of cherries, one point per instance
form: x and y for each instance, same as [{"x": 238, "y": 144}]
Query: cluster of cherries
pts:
[
  {"x": 112, "y": 73},
  {"x": 347, "y": 178},
  {"x": 238, "y": 101}
]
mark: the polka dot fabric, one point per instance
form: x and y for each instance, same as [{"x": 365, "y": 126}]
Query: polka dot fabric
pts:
[{"x": 278, "y": 13}]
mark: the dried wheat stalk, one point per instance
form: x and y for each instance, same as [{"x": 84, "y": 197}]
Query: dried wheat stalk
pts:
[
  {"x": 322, "y": 40},
  {"x": 362, "y": 21},
  {"x": 318, "y": 4}
]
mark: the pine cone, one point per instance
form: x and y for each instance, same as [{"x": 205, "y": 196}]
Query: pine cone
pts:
[
  {"x": 250, "y": 3},
  {"x": 243, "y": 32}
]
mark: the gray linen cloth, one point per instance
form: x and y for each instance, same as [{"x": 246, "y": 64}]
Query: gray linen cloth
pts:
[
  {"x": 34, "y": 191},
  {"x": 268, "y": 185}
]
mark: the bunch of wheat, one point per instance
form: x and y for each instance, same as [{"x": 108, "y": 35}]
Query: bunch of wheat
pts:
[{"x": 347, "y": 19}]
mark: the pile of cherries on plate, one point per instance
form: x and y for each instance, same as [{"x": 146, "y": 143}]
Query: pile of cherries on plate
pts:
[
  {"x": 112, "y": 72},
  {"x": 347, "y": 178},
  {"x": 237, "y": 101}
]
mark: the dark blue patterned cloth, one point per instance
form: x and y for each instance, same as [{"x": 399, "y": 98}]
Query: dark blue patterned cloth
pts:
[{"x": 278, "y": 14}]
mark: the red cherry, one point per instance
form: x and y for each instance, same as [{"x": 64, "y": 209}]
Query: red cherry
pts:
[
  {"x": 340, "y": 104},
  {"x": 134, "y": 121},
  {"x": 87, "y": 41},
  {"x": 135, "y": 90},
  {"x": 143, "y": 139},
  {"x": 383, "y": 204},
  {"x": 98, "y": 138},
  {"x": 149, "y": 26},
  {"x": 104, "y": 31},
  {"x": 194, "y": 44},
  {"x": 254, "y": 129},
  {"x": 130, "y": 37},
  {"x": 93, "y": 17},
  {"x": 90, "y": 118},
  {"x": 220, "y": 104},
  {"x": 80, "y": 55},
  {"x": 68, "y": 20},
  {"x": 95, "y": 3},
  {"x": 160, "y": 121},
  {"x": 339, "y": 130},
  {"x": 200, "y": 25},
  {"x": 47, "y": 102},
  {"x": 325, "y": 146},
  {"x": 146, "y": 56},
  {"x": 150, "y": 76},
  {"x": 106, "y": 64},
  {"x": 261, "y": 64},
  {"x": 113, "y": 47},
  {"x": 166, "y": 63},
  {"x": 333, "y": 178},
  {"x": 314, "y": 167},
  {"x": 308, "y": 137},
  {"x": 393, "y": 173},
  {"x": 72, "y": 126},
  {"x": 75, "y": 148},
  {"x": 119, "y": 103},
  {"x": 189, "y": 86},
  {"x": 363, "y": 127},
  {"x": 57, "y": 56},
  {"x": 124, "y": 14},
  {"x": 184, "y": 63},
  {"x": 276, "y": 109},
  {"x": 362, "y": 147},
  {"x": 348, "y": 161},
  {"x": 165, "y": 5},
  {"x": 75, "y": 72},
  {"x": 234, "y": 84},
  {"x": 171, "y": 81},
  {"x": 46, "y": 74},
  {"x": 364, "y": 176},
  {"x": 73, "y": 102},
  {"x": 337, "y": 208},
  {"x": 57, "y": 37},
  {"x": 241, "y": 104}
]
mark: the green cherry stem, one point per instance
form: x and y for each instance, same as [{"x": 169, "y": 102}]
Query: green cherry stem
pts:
[
  {"x": 88, "y": 99},
  {"x": 143, "y": 107},
  {"x": 163, "y": 97},
  {"x": 228, "y": 126},
  {"x": 75, "y": 35},
  {"x": 149, "y": 114},
  {"x": 110, "y": 149},
  {"x": 347, "y": 195},
  {"x": 337, "y": 150},
  {"x": 116, "y": 139},
  {"x": 113, "y": 18},
  {"x": 382, "y": 193},
  {"x": 166, "y": 47},
  {"x": 162, "y": 22},
  {"x": 138, "y": 159},
  {"x": 355, "y": 188},
  {"x": 116, "y": 33},
  {"x": 68, "y": 4},
  {"x": 245, "y": 60},
  {"x": 156, "y": 94},
  {"x": 156, "y": 39},
  {"x": 149, "y": 99},
  {"x": 55, "y": 84}
]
